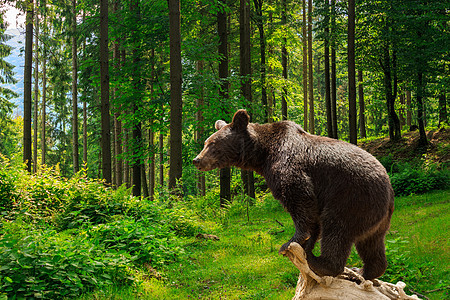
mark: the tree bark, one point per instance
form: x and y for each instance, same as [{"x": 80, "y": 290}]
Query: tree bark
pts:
[
  {"x": 225, "y": 178},
  {"x": 175, "y": 171},
  {"x": 393, "y": 120},
  {"x": 151, "y": 135},
  {"x": 262, "y": 48},
  {"x": 152, "y": 165},
  {"x": 270, "y": 95},
  {"x": 284, "y": 113},
  {"x": 245, "y": 68},
  {"x": 362, "y": 107},
  {"x": 161, "y": 160},
  {"x": 44, "y": 96},
  {"x": 118, "y": 170},
  {"x": 310, "y": 70},
  {"x": 36, "y": 94},
  {"x": 137, "y": 125},
  {"x": 84, "y": 116},
  {"x": 401, "y": 113},
  {"x": 420, "y": 115},
  {"x": 443, "y": 118},
  {"x": 75, "y": 155},
  {"x": 351, "y": 72},
  {"x": 408, "y": 109},
  {"x": 333, "y": 71},
  {"x": 104, "y": 92},
  {"x": 144, "y": 181},
  {"x": 327, "y": 69},
  {"x": 305, "y": 67},
  {"x": 27, "y": 156}
]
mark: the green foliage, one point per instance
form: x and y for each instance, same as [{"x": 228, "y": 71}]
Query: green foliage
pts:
[
  {"x": 7, "y": 191},
  {"x": 145, "y": 240},
  {"x": 44, "y": 264},
  {"x": 401, "y": 267},
  {"x": 418, "y": 180},
  {"x": 65, "y": 237}
]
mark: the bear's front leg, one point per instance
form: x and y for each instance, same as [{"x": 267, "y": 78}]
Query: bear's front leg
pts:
[
  {"x": 299, "y": 238},
  {"x": 305, "y": 218}
]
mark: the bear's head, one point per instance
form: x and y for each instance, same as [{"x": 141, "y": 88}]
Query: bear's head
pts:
[{"x": 224, "y": 148}]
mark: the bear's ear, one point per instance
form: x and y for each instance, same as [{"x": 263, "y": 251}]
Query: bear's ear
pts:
[
  {"x": 219, "y": 124},
  {"x": 240, "y": 120}
]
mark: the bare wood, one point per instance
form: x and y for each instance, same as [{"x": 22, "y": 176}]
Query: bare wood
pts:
[{"x": 349, "y": 285}]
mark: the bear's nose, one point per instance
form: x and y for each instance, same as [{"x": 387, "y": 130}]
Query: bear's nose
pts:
[{"x": 196, "y": 161}]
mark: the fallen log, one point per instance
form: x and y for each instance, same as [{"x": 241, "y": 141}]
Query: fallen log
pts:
[{"x": 349, "y": 285}]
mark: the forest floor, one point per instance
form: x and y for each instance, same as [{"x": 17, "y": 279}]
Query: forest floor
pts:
[
  {"x": 408, "y": 148},
  {"x": 244, "y": 263}
]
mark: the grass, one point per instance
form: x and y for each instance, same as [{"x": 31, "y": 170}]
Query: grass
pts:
[{"x": 245, "y": 264}]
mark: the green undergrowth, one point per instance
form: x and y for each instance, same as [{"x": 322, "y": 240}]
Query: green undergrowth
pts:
[
  {"x": 60, "y": 238},
  {"x": 245, "y": 264},
  {"x": 73, "y": 238}
]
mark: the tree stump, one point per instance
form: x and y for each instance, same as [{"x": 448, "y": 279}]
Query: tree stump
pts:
[{"x": 349, "y": 285}]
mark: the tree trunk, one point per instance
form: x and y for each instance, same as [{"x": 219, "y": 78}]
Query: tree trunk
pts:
[
  {"x": 310, "y": 70},
  {"x": 393, "y": 120},
  {"x": 327, "y": 69},
  {"x": 305, "y": 68},
  {"x": 75, "y": 155},
  {"x": 125, "y": 133},
  {"x": 144, "y": 182},
  {"x": 151, "y": 135},
  {"x": 151, "y": 167},
  {"x": 351, "y": 73},
  {"x": 126, "y": 165},
  {"x": 333, "y": 71},
  {"x": 161, "y": 160},
  {"x": 270, "y": 96},
  {"x": 420, "y": 115},
  {"x": 137, "y": 126},
  {"x": 225, "y": 178},
  {"x": 443, "y": 119},
  {"x": 175, "y": 171},
  {"x": 104, "y": 92},
  {"x": 36, "y": 95},
  {"x": 262, "y": 48},
  {"x": 84, "y": 134},
  {"x": 284, "y": 113},
  {"x": 362, "y": 108},
  {"x": 199, "y": 116},
  {"x": 44, "y": 98},
  {"x": 118, "y": 170},
  {"x": 408, "y": 109},
  {"x": 27, "y": 158},
  {"x": 401, "y": 113},
  {"x": 84, "y": 116},
  {"x": 245, "y": 68}
]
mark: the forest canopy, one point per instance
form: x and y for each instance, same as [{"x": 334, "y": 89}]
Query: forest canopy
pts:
[{"x": 128, "y": 90}]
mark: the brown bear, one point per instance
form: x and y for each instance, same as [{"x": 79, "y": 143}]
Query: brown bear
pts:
[{"x": 331, "y": 188}]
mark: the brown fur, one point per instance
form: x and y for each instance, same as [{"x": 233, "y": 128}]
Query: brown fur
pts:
[{"x": 331, "y": 188}]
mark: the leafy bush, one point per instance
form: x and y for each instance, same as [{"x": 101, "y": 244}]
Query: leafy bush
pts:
[
  {"x": 7, "y": 192},
  {"x": 89, "y": 202},
  {"x": 45, "y": 264},
  {"x": 419, "y": 180},
  {"x": 145, "y": 240}
]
